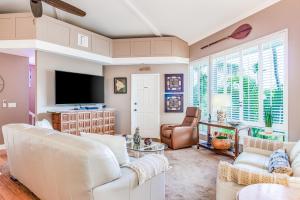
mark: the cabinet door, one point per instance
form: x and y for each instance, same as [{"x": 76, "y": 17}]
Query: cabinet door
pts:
[
  {"x": 161, "y": 47},
  {"x": 101, "y": 45},
  {"x": 140, "y": 47},
  {"x": 25, "y": 28},
  {"x": 81, "y": 39},
  {"x": 54, "y": 32},
  {"x": 121, "y": 48},
  {"x": 7, "y": 28}
]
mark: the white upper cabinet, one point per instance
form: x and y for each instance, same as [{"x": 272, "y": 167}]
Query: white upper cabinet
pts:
[
  {"x": 53, "y": 31},
  {"x": 17, "y": 26},
  {"x": 101, "y": 45},
  {"x": 150, "y": 47}
]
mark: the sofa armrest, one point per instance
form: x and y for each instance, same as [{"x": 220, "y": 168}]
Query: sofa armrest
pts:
[
  {"x": 251, "y": 143},
  {"x": 230, "y": 173}
]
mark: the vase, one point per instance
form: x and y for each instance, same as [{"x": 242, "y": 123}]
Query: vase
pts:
[
  {"x": 221, "y": 116},
  {"x": 137, "y": 137},
  {"x": 221, "y": 144},
  {"x": 269, "y": 130}
]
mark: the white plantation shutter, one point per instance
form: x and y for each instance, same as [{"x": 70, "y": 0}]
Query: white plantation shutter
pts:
[
  {"x": 200, "y": 90},
  {"x": 273, "y": 78},
  {"x": 250, "y": 63},
  {"x": 225, "y": 80}
]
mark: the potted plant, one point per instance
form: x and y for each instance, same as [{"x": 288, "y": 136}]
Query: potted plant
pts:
[
  {"x": 268, "y": 121},
  {"x": 221, "y": 142}
]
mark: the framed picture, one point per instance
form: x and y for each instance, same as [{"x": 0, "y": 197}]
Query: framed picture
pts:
[
  {"x": 173, "y": 83},
  {"x": 173, "y": 102},
  {"x": 120, "y": 85}
]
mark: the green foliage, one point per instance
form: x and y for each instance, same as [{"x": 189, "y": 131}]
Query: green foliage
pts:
[
  {"x": 268, "y": 117},
  {"x": 222, "y": 137}
]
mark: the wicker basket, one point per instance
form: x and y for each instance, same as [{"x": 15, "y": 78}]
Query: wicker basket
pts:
[{"x": 221, "y": 143}]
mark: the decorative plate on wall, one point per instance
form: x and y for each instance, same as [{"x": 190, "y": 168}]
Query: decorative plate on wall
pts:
[
  {"x": 173, "y": 83},
  {"x": 1, "y": 84}
]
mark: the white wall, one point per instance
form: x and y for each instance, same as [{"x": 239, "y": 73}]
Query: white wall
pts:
[{"x": 46, "y": 64}]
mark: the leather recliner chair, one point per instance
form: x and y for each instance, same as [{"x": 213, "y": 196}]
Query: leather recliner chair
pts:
[{"x": 185, "y": 134}]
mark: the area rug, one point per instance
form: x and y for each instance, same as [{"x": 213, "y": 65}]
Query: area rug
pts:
[{"x": 193, "y": 174}]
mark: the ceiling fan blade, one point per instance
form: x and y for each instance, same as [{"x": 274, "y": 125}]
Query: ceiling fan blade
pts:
[
  {"x": 36, "y": 8},
  {"x": 65, "y": 7}
]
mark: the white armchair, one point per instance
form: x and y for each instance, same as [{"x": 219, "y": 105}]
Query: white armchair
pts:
[{"x": 251, "y": 167}]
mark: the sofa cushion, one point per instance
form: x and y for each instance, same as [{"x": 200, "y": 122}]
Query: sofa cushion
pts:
[
  {"x": 296, "y": 166},
  {"x": 295, "y": 151},
  {"x": 43, "y": 124},
  {"x": 251, "y": 168},
  {"x": 279, "y": 163},
  {"x": 233, "y": 173},
  {"x": 253, "y": 159},
  {"x": 117, "y": 145}
]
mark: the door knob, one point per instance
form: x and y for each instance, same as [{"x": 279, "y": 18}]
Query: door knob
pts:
[
  {"x": 135, "y": 103},
  {"x": 135, "y": 110}
]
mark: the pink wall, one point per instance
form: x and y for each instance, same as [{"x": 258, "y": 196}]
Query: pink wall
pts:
[
  {"x": 32, "y": 89},
  {"x": 14, "y": 70},
  {"x": 283, "y": 15}
]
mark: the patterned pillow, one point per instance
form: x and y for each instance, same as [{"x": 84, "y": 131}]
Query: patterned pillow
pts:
[{"x": 279, "y": 163}]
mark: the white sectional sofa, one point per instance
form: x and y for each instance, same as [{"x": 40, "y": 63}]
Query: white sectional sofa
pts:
[
  {"x": 254, "y": 162},
  {"x": 58, "y": 166}
]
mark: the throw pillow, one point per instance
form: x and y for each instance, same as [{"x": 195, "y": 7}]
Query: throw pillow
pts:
[
  {"x": 295, "y": 151},
  {"x": 279, "y": 163},
  {"x": 43, "y": 124},
  {"x": 117, "y": 145}
]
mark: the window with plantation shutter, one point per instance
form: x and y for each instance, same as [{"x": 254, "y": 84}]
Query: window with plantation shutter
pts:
[
  {"x": 200, "y": 90},
  {"x": 226, "y": 80},
  {"x": 273, "y": 53},
  {"x": 250, "y": 84},
  {"x": 254, "y": 75}
]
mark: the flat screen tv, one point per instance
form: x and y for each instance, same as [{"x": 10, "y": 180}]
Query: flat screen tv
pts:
[{"x": 74, "y": 88}]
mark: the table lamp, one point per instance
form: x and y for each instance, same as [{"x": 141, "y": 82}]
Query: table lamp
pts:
[{"x": 221, "y": 102}]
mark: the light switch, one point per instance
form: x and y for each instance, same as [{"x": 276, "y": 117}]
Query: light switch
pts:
[
  {"x": 12, "y": 105},
  {"x": 4, "y": 103}
]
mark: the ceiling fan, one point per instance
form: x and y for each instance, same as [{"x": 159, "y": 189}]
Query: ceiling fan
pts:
[{"x": 37, "y": 7}]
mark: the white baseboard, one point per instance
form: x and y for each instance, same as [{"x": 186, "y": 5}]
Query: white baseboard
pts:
[{"x": 2, "y": 147}]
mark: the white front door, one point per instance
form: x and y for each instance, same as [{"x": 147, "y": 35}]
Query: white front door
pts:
[{"x": 145, "y": 104}]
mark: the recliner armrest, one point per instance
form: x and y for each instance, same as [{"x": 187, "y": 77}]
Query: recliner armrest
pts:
[{"x": 182, "y": 130}]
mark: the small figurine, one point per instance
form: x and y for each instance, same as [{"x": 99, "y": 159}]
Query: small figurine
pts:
[
  {"x": 137, "y": 137},
  {"x": 148, "y": 141},
  {"x": 209, "y": 118}
]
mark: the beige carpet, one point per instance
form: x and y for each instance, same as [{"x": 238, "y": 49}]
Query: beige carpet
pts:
[{"x": 193, "y": 174}]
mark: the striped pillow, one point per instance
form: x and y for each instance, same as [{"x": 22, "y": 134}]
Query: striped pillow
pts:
[{"x": 279, "y": 163}]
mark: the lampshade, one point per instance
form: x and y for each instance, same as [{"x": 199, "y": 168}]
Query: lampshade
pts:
[{"x": 220, "y": 101}]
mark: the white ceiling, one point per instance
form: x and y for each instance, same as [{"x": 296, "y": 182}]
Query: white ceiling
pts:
[{"x": 190, "y": 20}]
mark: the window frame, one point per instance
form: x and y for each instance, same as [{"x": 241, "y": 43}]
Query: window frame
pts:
[{"x": 239, "y": 49}]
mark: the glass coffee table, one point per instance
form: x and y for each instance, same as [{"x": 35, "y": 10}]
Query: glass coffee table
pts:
[{"x": 142, "y": 149}]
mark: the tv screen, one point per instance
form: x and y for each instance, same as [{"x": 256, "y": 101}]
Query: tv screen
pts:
[{"x": 74, "y": 88}]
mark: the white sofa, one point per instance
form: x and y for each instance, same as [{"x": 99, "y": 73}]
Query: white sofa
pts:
[
  {"x": 57, "y": 166},
  {"x": 254, "y": 161}
]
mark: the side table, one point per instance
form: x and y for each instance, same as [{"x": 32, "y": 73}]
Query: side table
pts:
[{"x": 268, "y": 192}]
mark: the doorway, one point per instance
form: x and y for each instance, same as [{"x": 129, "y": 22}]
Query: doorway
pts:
[{"x": 145, "y": 104}]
